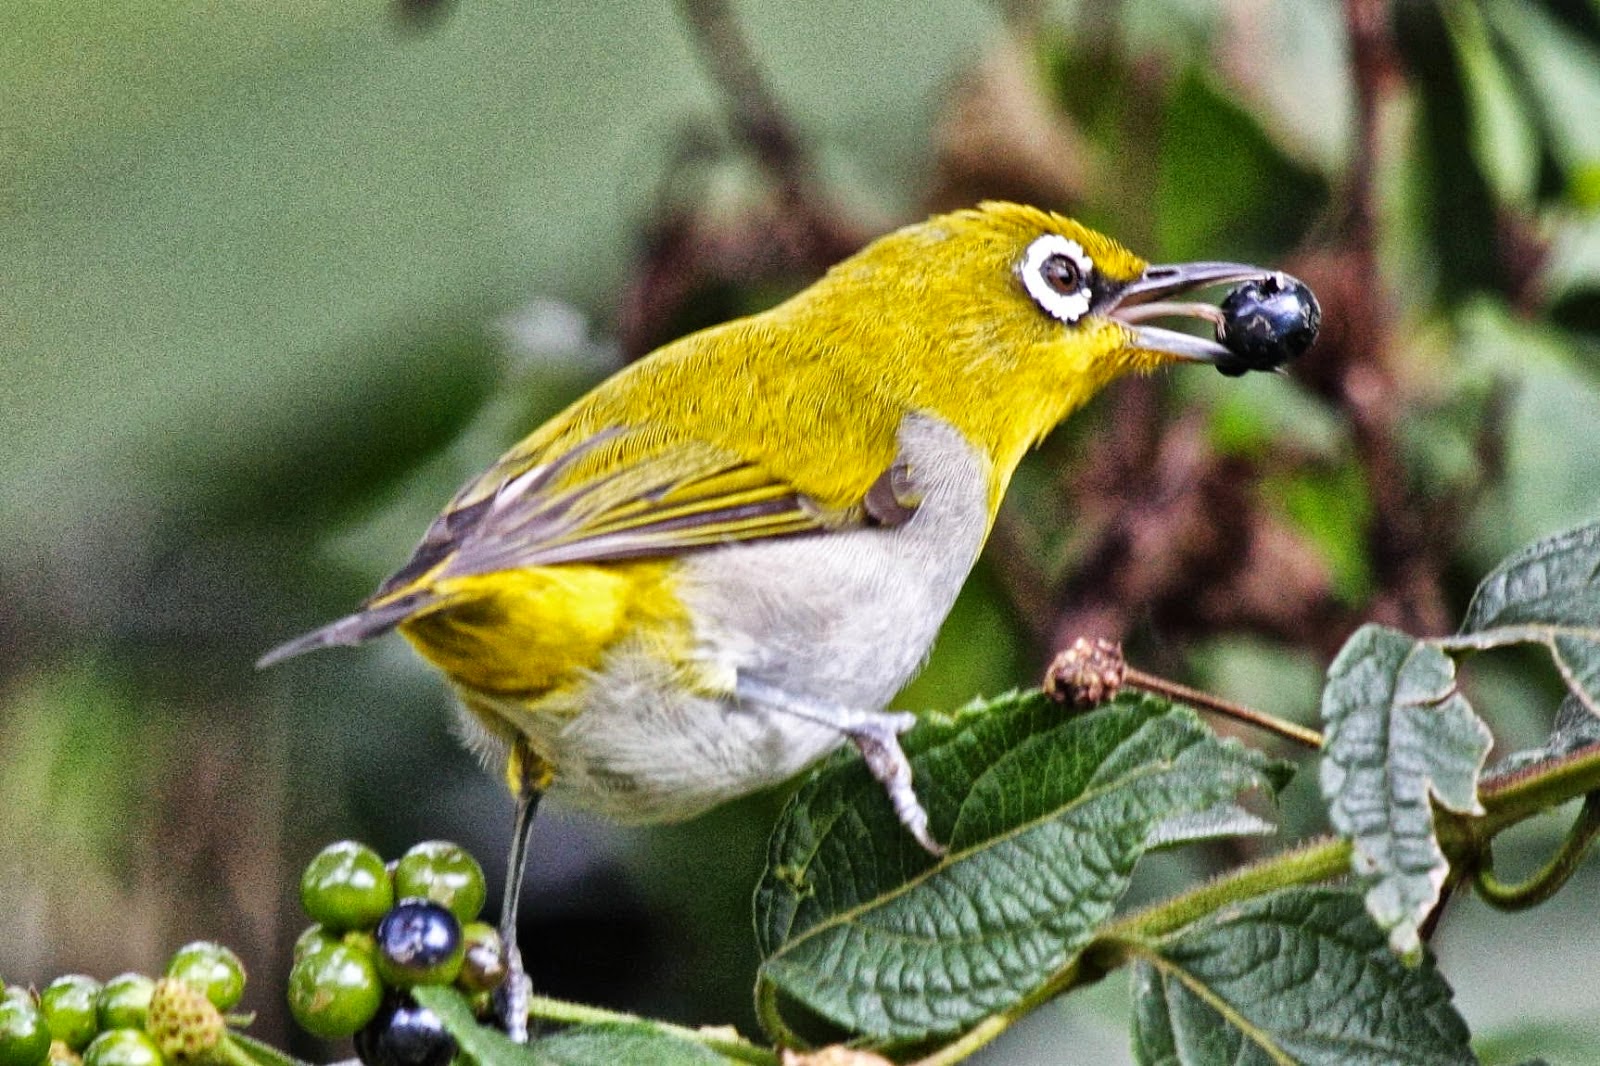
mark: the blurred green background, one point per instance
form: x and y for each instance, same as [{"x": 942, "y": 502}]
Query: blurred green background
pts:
[{"x": 276, "y": 278}]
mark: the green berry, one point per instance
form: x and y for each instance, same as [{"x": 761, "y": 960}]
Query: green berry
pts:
[
  {"x": 334, "y": 990},
  {"x": 363, "y": 942},
  {"x": 24, "y": 1034},
  {"x": 483, "y": 969},
  {"x": 346, "y": 887},
  {"x": 68, "y": 1004},
  {"x": 445, "y": 873},
  {"x": 124, "y": 1002},
  {"x": 185, "y": 1025},
  {"x": 122, "y": 1047},
  {"x": 211, "y": 968},
  {"x": 314, "y": 938},
  {"x": 62, "y": 1055}
]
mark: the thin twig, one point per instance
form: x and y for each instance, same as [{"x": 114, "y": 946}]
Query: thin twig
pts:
[
  {"x": 753, "y": 110},
  {"x": 1160, "y": 686},
  {"x": 1089, "y": 672}
]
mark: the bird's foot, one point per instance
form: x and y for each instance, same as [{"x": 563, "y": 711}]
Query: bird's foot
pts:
[
  {"x": 512, "y": 999},
  {"x": 877, "y": 738},
  {"x": 876, "y": 735}
]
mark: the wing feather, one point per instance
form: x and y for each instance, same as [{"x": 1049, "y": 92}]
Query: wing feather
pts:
[{"x": 655, "y": 499}]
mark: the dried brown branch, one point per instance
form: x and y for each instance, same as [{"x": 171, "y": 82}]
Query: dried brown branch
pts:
[
  {"x": 696, "y": 259},
  {"x": 753, "y": 112},
  {"x": 1375, "y": 67}
]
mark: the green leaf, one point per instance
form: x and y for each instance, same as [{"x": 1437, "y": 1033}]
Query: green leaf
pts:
[
  {"x": 1563, "y": 73},
  {"x": 1548, "y": 593},
  {"x": 1215, "y": 823},
  {"x": 1221, "y": 181},
  {"x": 1504, "y": 140},
  {"x": 1045, "y": 811},
  {"x": 1331, "y": 507},
  {"x": 1298, "y": 977},
  {"x": 1397, "y": 732},
  {"x": 481, "y": 1044},
  {"x": 608, "y": 1044},
  {"x": 624, "y": 1044},
  {"x": 263, "y": 1054},
  {"x": 1448, "y": 197}
]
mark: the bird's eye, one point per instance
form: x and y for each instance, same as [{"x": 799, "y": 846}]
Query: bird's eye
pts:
[
  {"x": 1061, "y": 274},
  {"x": 1055, "y": 270}
]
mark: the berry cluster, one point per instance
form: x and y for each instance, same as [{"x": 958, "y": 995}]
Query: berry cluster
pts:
[
  {"x": 379, "y": 931},
  {"x": 131, "y": 1020}
]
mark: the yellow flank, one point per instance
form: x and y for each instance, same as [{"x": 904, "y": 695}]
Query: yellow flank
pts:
[{"x": 525, "y": 632}]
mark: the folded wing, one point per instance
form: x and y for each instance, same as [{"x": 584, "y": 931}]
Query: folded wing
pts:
[{"x": 619, "y": 494}]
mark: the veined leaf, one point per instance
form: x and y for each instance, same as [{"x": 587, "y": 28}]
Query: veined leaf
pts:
[
  {"x": 1547, "y": 593},
  {"x": 1398, "y": 732},
  {"x": 1045, "y": 812},
  {"x": 618, "y": 1044},
  {"x": 1299, "y": 978}
]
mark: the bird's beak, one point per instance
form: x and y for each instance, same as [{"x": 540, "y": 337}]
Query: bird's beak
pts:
[{"x": 1147, "y": 298}]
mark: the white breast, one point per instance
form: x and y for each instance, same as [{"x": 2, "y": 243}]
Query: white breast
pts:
[
  {"x": 849, "y": 617},
  {"x": 846, "y": 618}
]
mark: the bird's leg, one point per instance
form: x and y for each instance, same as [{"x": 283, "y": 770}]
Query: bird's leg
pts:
[
  {"x": 529, "y": 775},
  {"x": 876, "y": 735}
]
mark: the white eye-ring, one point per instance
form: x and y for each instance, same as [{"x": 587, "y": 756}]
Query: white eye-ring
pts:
[{"x": 1055, "y": 271}]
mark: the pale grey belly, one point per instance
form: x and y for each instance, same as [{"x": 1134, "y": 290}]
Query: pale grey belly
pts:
[{"x": 843, "y": 618}]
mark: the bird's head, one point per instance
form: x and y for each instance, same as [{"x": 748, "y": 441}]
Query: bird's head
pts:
[{"x": 1003, "y": 318}]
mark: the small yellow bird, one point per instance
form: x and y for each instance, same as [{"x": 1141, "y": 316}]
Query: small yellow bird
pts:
[{"x": 725, "y": 560}]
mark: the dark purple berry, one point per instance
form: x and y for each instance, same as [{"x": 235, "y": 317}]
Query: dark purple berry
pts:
[
  {"x": 404, "y": 1034},
  {"x": 419, "y": 943},
  {"x": 1266, "y": 323}
]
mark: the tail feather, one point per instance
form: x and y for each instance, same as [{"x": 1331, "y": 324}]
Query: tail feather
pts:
[{"x": 353, "y": 629}]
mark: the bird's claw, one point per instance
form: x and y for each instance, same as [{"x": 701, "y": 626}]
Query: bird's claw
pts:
[
  {"x": 512, "y": 999},
  {"x": 878, "y": 740}
]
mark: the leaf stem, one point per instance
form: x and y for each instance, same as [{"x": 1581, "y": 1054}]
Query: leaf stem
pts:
[
  {"x": 1320, "y": 860},
  {"x": 231, "y": 1053},
  {"x": 770, "y": 1016},
  {"x": 1160, "y": 686},
  {"x": 970, "y": 1041},
  {"x": 1547, "y": 881},
  {"x": 724, "y": 1041},
  {"x": 1514, "y": 797}
]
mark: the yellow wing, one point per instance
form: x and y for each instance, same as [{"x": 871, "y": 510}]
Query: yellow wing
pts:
[
  {"x": 688, "y": 495},
  {"x": 619, "y": 494}
]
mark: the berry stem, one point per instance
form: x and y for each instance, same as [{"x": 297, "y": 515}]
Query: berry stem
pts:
[{"x": 1160, "y": 686}]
